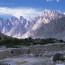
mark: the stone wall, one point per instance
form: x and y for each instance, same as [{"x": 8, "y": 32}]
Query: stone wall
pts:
[
  {"x": 34, "y": 50},
  {"x": 47, "y": 49},
  {"x": 12, "y": 52}
]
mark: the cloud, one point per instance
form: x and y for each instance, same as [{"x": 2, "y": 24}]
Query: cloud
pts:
[
  {"x": 64, "y": 13},
  {"x": 49, "y": 0},
  {"x": 57, "y": 0},
  {"x": 17, "y": 12},
  {"x": 52, "y": 0}
]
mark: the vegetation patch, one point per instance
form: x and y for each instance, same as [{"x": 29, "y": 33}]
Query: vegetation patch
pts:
[{"x": 17, "y": 43}]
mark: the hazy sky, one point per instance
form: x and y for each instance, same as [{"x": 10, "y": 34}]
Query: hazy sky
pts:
[{"x": 28, "y": 8}]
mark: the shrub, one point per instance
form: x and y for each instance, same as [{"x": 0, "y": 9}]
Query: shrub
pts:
[{"x": 61, "y": 40}]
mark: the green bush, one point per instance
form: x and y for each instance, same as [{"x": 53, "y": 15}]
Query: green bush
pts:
[
  {"x": 61, "y": 40},
  {"x": 0, "y": 38},
  {"x": 13, "y": 42}
]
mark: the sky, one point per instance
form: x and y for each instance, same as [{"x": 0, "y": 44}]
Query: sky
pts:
[{"x": 28, "y": 8}]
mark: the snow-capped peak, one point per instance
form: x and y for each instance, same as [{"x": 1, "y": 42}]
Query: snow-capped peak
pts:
[{"x": 52, "y": 14}]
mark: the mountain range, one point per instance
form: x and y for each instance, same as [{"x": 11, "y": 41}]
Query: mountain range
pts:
[{"x": 49, "y": 24}]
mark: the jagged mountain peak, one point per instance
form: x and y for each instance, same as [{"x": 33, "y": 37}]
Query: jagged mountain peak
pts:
[
  {"x": 52, "y": 14},
  {"x": 50, "y": 24},
  {"x": 13, "y": 18},
  {"x": 52, "y": 11},
  {"x": 21, "y": 18},
  {"x": 49, "y": 11}
]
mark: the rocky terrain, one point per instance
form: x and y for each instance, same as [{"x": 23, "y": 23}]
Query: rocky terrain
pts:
[{"x": 34, "y": 55}]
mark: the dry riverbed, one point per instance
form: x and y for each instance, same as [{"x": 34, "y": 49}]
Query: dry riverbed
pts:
[{"x": 29, "y": 61}]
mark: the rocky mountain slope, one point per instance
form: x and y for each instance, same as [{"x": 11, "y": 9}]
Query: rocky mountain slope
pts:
[{"x": 50, "y": 23}]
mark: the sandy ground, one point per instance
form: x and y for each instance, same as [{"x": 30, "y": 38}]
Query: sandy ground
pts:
[{"x": 30, "y": 61}]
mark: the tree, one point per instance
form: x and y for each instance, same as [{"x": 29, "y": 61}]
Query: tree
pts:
[
  {"x": 0, "y": 38},
  {"x": 61, "y": 40}
]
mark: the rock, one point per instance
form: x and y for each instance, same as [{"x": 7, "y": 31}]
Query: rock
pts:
[{"x": 57, "y": 56}]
